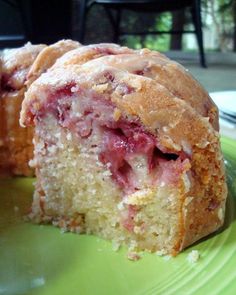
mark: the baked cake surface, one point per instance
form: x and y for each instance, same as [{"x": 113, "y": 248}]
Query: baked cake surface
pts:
[{"x": 126, "y": 147}]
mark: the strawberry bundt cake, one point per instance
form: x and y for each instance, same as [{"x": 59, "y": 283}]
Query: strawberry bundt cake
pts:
[{"x": 126, "y": 147}]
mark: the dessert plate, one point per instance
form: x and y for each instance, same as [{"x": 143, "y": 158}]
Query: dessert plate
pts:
[
  {"x": 226, "y": 101},
  {"x": 39, "y": 259}
]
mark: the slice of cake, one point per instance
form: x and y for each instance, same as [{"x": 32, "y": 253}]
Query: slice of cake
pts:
[
  {"x": 125, "y": 153},
  {"x": 16, "y": 147},
  {"x": 18, "y": 69}
]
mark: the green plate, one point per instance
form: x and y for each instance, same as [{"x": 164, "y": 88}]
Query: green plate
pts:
[{"x": 36, "y": 259}]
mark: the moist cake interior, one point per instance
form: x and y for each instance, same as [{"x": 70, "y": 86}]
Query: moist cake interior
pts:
[{"x": 100, "y": 172}]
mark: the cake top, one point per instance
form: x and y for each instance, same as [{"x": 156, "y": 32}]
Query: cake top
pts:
[
  {"x": 174, "y": 120},
  {"x": 84, "y": 54},
  {"x": 174, "y": 79},
  {"x": 48, "y": 56},
  {"x": 166, "y": 72}
]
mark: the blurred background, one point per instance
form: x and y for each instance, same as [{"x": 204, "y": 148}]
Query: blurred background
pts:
[{"x": 91, "y": 21}]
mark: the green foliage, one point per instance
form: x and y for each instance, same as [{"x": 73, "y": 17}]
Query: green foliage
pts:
[
  {"x": 221, "y": 11},
  {"x": 159, "y": 42},
  {"x": 223, "y": 17}
]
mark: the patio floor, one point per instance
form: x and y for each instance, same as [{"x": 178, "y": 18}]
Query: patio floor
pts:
[
  {"x": 218, "y": 76},
  {"x": 215, "y": 77}
]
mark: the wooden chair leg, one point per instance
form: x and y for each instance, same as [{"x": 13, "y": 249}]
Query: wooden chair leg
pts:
[{"x": 196, "y": 15}]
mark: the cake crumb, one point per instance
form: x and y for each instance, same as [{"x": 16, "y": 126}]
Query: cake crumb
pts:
[
  {"x": 116, "y": 114},
  {"x": 141, "y": 197},
  {"x": 100, "y": 87},
  {"x": 120, "y": 206},
  {"x": 167, "y": 257},
  {"x": 133, "y": 256},
  {"x": 162, "y": 184},
  {"x": 138, "y": 230},
  {"x": 52, "y": 149},
  {"x": 63, "y": 230},
  {"x": 60, "y": 145},
  {"x": 78, "y": 115},
  {"x": 115, "y": 246},
  {"x": 220, "y": 214},
  {"x": 16, "y": 209},
  {"x": 74, "y": 89},
  {"x": 106, "y": 173},
  {"x": 68, "y": 136},
  {"x": 193, "y": 256},
  {"x": 58, "y": 135},
  {"x": 32, "y": 163},
  {"x": 161, "y": 252}
]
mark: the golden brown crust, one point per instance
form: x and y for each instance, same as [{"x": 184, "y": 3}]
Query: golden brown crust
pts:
[
  {"x": 84, "y": 54},
  {"x": 142, "y": 62},
  {"x": 173, "y": 121},
  {"x": 48, "y": 56},
  {"x": 181, "y": 84},
  {"x": 150, "y": 64}
]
